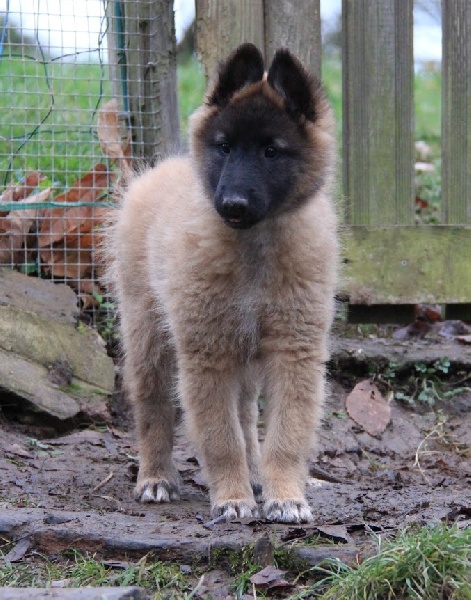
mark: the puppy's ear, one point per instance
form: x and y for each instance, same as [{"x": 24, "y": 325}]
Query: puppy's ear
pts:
[
  {"x": 290, "y": 80},
  {"x": 244, "y": 66}
]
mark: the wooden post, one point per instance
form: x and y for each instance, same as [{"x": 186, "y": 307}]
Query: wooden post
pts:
[
  {"x": 297, "y": 26},
  {"x": 222, "y": 25},
  {"x": 146, "y": 71},
  {"x": 456, "y": 112},
  {"x": 377, "y": 111}
]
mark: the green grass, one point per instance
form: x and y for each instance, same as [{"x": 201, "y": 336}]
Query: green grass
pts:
[
  {"x": 427, "y": 106},
  {"x": 61, "y": 96},
  {"x": 79, "y": 570},
  {"x": 431, "y": 564},
  {"x": 191, "y": 88}
]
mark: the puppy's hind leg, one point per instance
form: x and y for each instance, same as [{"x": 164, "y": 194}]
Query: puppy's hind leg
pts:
[
  {"x": 149, "y": 379},
  {"x": 248, "y": 416}
]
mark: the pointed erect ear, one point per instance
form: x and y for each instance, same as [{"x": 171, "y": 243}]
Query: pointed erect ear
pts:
[
  {"x": 291, "y": 81},
  {"x": 244, "y": 65}
]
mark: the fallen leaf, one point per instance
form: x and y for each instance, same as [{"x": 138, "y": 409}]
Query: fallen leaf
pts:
[
  {"x": 22, "y": 189},
  {"x": 15, "y": 227},
  {"x": 88, "y": 291},
  {"x": 57, "y": 223},
  {"x": 17, "y": 450},
  {"x": 420, "y": 202},
  {"x": 18, "y": 551},
  {"x": 75, "y": 258},
  {"x": 68, "y": 236},
  {"x": 428, "y": 312},
  {"x": 366, "y": 406},
  {"x": 264, "y": 551},
  {"x": 269, "y": 577},
  {"x": 294, "y": 533},
  {"x": 418, "y": 328},
  {"x": 452, "y": 329},
  {"x": 113, "y": 144},
  {"x": 335, "y": 532}
]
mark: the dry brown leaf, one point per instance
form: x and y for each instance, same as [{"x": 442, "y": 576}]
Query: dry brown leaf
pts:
[
  {"x": 68, "y": 237},
  {"x": 109, "y": 130},
  {"x": 367, "y": 407},
  {"x": 17, "y": 191},
  {"x": 337, "y": 532},
  {"x": 75, "y": 258},
  {"x": 59, "y": 222},
  {"x": 15, "y": 227},
  {"x": 87, "y": 289},
  {"x": 18, "y": 551},
  {"x": 269, "y": 577}
]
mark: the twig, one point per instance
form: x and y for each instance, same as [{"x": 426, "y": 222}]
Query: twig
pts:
[
  {"x": 434, "y": 431},
  {"x": 104, "y": 482}
]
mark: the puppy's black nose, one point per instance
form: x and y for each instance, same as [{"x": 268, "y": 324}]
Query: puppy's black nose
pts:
[{"x": 235, "y": 208}]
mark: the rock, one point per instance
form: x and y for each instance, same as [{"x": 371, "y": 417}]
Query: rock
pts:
[
  {"x": 28, "y": 380},
  {"x": 88, "y": 593},
  {"x": 315, "y": 555},
  {"x": 47, "y": 357}
]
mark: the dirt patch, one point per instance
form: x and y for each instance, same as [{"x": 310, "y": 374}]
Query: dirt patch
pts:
[{"x": 76, "y": 490}]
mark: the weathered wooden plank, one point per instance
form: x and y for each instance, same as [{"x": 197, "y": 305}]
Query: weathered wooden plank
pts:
[
  {"x": 222, "y": 26},
  {"x": 377, "y": 111},
  {"x": 297, "y": 26},
  {"x": 456, "y": 111},
  {"x": 151, "y": 64},
  {"x": 407, "y": 265}
]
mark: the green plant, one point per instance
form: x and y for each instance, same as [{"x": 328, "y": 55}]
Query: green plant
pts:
[
  {"x": 424, "y": 384},
  {"x": 432, "y": 563},
  {"x": 239, "y": 563},
  {"x": 81, "y": 569},
  {"x": 105, "y": 317},
  {"x": 428, "y": 564}
]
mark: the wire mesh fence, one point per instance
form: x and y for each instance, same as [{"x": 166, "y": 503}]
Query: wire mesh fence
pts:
[
  {"x": 53, "y": 83},
  {"x": 75, "y": 105}
]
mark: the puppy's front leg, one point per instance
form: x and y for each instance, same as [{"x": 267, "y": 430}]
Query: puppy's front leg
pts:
[
  {"x": 210, "y": 398},
  {"x": 295, "y": 391}
]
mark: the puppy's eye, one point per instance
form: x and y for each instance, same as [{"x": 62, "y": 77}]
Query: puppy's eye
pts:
[
  {"x": 270, "y": 151},
  {"x": 225, "y": 147}
]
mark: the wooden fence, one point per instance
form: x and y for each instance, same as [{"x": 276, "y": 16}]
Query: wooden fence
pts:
[{"x": 390, "y": 263}]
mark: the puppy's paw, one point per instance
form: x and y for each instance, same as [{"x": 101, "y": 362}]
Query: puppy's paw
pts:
[
  {"x": 235, "y": 509},
  {"x": 156, "y": 490},
  {"x": 287, "y": 511}
]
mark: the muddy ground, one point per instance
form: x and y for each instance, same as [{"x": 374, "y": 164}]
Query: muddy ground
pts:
[{"x": 73, "y": 489}]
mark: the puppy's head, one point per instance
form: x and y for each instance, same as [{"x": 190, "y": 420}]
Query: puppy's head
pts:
[{"x": 254, "y": 140}]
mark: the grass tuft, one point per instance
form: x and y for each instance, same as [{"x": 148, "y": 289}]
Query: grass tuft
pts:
[{"x": 431, "y": 564}]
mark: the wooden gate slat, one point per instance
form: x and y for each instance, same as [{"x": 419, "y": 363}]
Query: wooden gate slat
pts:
[
  {"x": 456, "y": 111},
  {"x": 377, "y": 111}
]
